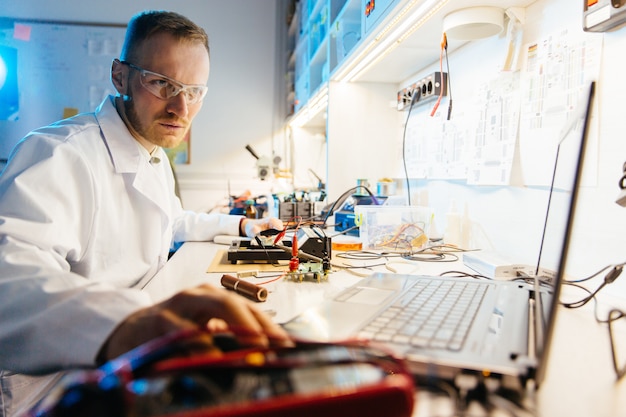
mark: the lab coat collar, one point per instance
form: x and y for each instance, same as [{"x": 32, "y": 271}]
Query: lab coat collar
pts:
[
  {"x": 127, "y": 157},
  {"x": 125, "y": 154}
]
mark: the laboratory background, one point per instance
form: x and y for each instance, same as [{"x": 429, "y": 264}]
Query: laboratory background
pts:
[{"x": 308, "y": 99}]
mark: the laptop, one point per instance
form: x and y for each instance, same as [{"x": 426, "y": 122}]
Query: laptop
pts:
[{"x": 503, "y": 328}]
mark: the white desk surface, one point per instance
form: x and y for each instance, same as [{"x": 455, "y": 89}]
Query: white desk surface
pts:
[{"x": 580, "y": 380}]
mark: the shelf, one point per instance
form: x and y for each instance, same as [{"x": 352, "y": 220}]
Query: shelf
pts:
[
  {"x": 345, "y": 33},
  {"x": 322, "y": 46},
  {"x": 402, "y": 37},
  {"x": 393, "y": 60}
]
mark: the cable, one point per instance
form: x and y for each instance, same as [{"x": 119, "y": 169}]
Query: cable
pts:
[
  {"x": 609, "y": 278},
  {"x": 439, "y": 253},
  {"x": 343, "y": 232},
  {"x": 343, "y": 197},
  {"x": 461, "y": 274},
  {"x": 434, "y": 257},
  {"x": 444, "y": 44},
  {"x": 406, "y": 171},
  {"x": 360, "y": 255},
  {"x": 596, "y": 273},
  {"x": 615, "y": 315}
]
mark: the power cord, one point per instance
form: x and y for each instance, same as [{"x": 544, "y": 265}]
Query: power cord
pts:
[
  {"x": 406, "y": 124},
  {"x": 614, "y": 314},
  {"x": 609, "y": 278},
  {"x": 343, "y": 197}
]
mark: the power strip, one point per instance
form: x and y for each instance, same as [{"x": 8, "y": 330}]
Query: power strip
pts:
[
  {"x": 603, "y": 15},
  {"x": 424, "y": 90}
]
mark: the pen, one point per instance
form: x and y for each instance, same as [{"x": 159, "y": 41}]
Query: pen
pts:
[{"x": 245, "y": 288}]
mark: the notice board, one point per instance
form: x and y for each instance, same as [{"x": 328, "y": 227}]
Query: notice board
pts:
[{"x": 51, "y": 70}]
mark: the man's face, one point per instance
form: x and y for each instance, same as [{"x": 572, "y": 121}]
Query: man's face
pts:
[{"x": 153, "y": 120}]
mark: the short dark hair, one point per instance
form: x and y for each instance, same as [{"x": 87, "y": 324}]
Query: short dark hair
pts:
[{"x": 144, "y": 25}]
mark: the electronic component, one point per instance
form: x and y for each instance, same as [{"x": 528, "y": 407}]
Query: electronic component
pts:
[
  {"x": 245, "y": 288},
  {"x": 287, "y": 210},
  {"x": 306, "y": 380},
  {"x": 309, "y": 270},
  {"x": 248, "y": 251},
  {"x": 311, "y": 245},
  {"x": 603, "y": 15},
  {"x": 345, "y": 221}
]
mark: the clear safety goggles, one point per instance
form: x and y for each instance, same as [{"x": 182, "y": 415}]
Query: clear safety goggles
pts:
[{"x": 165, "y": 88}]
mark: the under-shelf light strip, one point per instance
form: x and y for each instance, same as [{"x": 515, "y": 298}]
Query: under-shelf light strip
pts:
[
  {"x": 311, "y": 109},
  {"x": 362, "y": 54},
  {"x": 377, "y": 51}
]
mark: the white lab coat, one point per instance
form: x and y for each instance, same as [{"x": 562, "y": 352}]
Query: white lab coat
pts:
[{"x": 84, "y": 216}]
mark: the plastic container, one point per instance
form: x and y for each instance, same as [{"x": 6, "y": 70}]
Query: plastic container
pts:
[{"x": 393, "y": 228}]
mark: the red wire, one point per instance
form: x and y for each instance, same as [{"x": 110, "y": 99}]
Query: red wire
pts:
[
  {"x": 272, "y": 280},
  {"x": 444, "y": 42}
]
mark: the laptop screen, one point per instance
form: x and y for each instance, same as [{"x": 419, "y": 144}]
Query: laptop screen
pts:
[{"x": 559, "y": 221}]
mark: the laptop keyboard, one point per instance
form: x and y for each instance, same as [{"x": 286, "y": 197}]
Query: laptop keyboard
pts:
[{"x": 432, "y": 314}]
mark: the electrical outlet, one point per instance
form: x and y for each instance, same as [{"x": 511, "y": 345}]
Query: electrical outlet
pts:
[
  {"x": 424, "y": 90},
  {"x": 404, "y": 97}
]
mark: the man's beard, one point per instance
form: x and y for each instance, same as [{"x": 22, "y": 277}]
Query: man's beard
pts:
[{"x": 152, "y": 137}]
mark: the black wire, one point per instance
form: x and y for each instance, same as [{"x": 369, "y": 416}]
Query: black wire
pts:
[
  {"x": 343, "y": 197},
  {"x": 348, "y": 230},
  {"x": 267, "y": 254},
  {"x": 596, "y": 273},
  {"x": 614, "y": 315},
  {"x": 611, "y": 276},
  {"x": 434, "y": 257},
  {"x": 585, "y": 300},
  {"x": 461, "y": 274},
  {"x": 406, "y": 171}
]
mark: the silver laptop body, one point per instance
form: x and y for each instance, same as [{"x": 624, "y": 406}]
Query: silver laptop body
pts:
[{"x": 508, "y": 330}]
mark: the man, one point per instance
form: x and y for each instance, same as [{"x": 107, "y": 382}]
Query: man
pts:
[{"x": 88, "y": 210}]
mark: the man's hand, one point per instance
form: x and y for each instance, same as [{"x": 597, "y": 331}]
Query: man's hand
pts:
[
  {"x": 203, "y": 307},
  {"x": 252, "y": 227}
]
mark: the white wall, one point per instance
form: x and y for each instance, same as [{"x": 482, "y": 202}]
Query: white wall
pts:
[
  {"x": 509, "y": 218},
  {"x": 244, "y": 106},
  {"x": 245, "y": 102}
]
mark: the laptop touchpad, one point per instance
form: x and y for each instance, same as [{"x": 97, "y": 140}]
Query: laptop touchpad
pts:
[{"x": 370, "y": 296}]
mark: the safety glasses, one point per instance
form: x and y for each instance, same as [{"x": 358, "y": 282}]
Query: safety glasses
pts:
[{"x": 165, "y": 88}]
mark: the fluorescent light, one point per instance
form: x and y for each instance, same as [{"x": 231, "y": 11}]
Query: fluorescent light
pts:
[
  {"x": 315, "y": 105},
  {"x": 391, "y": 36}
]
